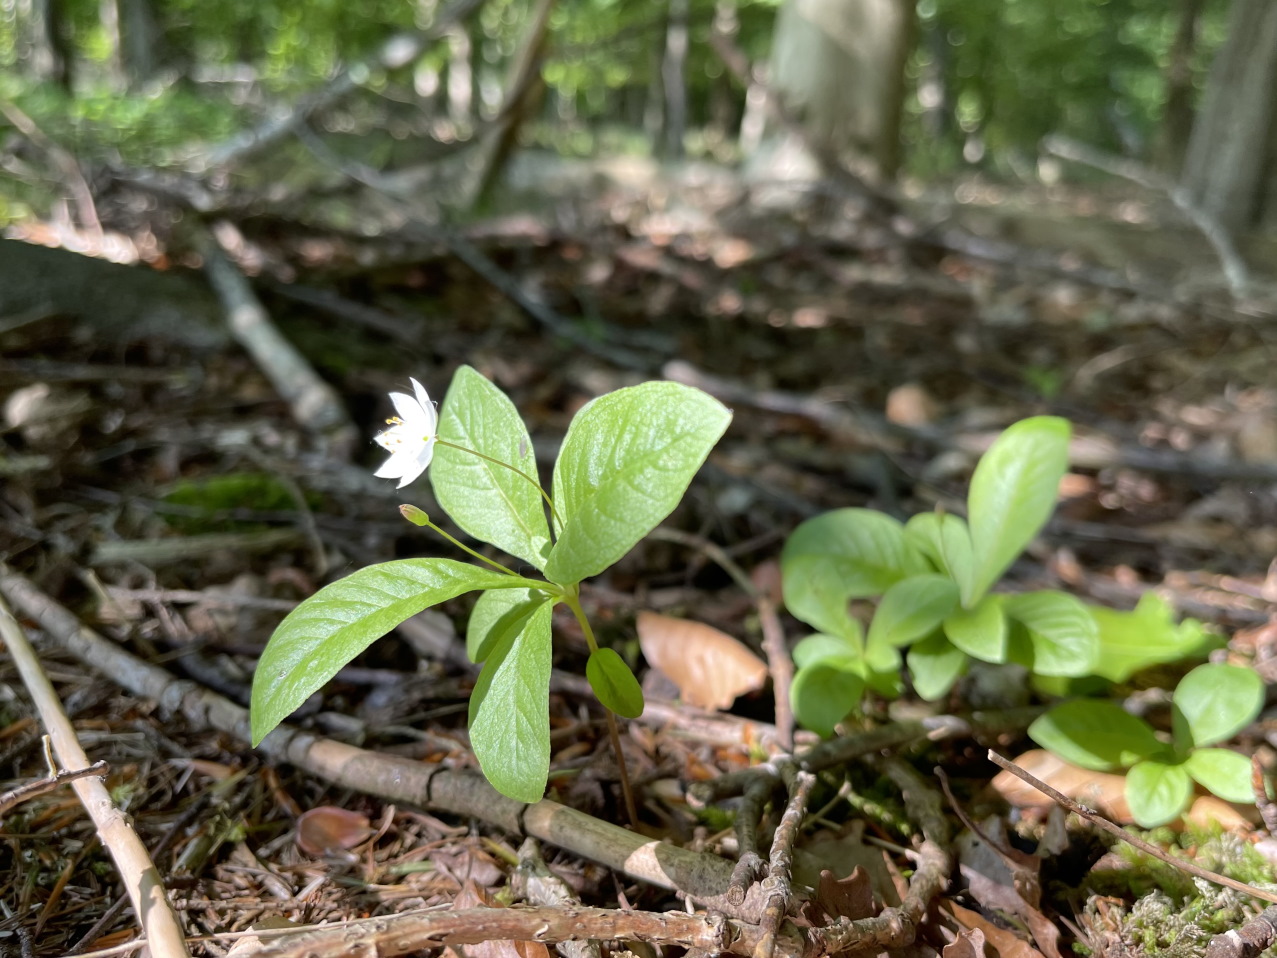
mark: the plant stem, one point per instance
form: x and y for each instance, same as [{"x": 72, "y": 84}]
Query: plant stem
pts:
[
  {"x": 465, "y": 548},
  {"x": 518, "y": 472},
  {"x": 571, "y": 598}
]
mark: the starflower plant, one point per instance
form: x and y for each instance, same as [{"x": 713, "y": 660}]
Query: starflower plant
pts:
[{"x": 625, "y": 463}]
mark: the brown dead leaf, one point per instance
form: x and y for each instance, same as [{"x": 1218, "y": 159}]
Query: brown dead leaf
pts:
[
  {"x": 327, "y": 830},
  {"x": 1008, "y": 944},
  {"x": 851, "y": 897},
  {"x": 968, "y": 944},
  {"x": 1099, "y": 790},
  {"x": 1003, "y": 882},
  {"x": 911, "y": 405},
  {"x": 709, "y": 667}
]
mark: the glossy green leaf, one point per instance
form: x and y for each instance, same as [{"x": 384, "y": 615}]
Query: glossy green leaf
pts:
[
  {"x": 1095, "y": 734},
  {"x": 1157, "y": 793},
  {"x": 626, "y": 461},
  {"x": 934, "y": 665},
  {"x": 816, "y": 647},
  {"x": 510, "y": 711},
  {"x": 1013, "y": 493},
  {"x": 945, "y": 540},
  {"x": 1063, "y": 638},
  {"x": 1215, "y": 702},
  {"x": 1224, "y": 772},
  {"x": 881, "y": 657},
  {"x": 497, "y": 613},
  {"x": 339, "y": 621},
  {"x": 823, "y": 693},
  {"x": 981, "y": 632},
  {"x": 487, "y": 500},
  {"x": 912, "y": 608},
  {"x": 614, "y": 683},
  {"x": 843, "y": 555},
  {"x": 1148, "y": 635}
]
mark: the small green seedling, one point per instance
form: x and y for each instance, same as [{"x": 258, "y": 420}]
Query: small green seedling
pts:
[
  {"x": 932, "y": 576},
  {"x": 625, "y": 463},
  {"x": 1210, "y": 705}
]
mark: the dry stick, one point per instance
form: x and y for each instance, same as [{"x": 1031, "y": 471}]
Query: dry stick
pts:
[
  {"x": 1259, "y": 786},
  {"x": 138, "y": 873},
  {"x": 1248, "y": 940},
  {"x": 777, "y": 884},
  {"x": 315, "y": 404},
  {"x": 22, "y": 793},
  {"x": 1233, "y": 265},
  {"x": 750, "y": 866},
  {"x": 405, "y": 934},
  {"x": 1091, "y": 816},
  {"x": 897, "y": 927},
  {"x": 704, "y": 878},
  {"x": 62, "y": 159}
]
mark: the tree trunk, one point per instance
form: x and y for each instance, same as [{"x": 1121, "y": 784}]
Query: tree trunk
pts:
[
  {"x": 1230, "y": 170},
  {"x": 674, "y": 79},
  {"x": 839, "y": 64},
  {"x": 47, "y": 58},
  {"x": 1177, "y": 119},
  {"x": 139, "y": 41}
]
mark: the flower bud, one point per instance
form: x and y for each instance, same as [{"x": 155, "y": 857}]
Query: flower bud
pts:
[{"x": 414, "y": 515}]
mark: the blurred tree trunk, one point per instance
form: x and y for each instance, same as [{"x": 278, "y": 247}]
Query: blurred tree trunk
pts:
[
  {"x": 839, "y": 65},
  {"x": 674, "y": 79},
  {"x": 1230, "y": 169},
  {"x": 139, "y": 42},
  {"x": 47, "y": 59},
  {"x": 1177, "y": 120}
]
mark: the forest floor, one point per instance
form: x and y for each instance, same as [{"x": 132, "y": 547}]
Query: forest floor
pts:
[{"x": 159, "y": 488}]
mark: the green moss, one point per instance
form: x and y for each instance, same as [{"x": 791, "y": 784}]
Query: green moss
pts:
[{"x": 206, "y": 505}]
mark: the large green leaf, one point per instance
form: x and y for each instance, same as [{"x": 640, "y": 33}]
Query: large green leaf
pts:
[
  {"x": 510, "y": 711},
  {"x": 497, "y": 613},
  {"x": 1213, "y": 703},
  {"x": 814, "y": 648},
  {"x": 1157, "y": 793},
  {"x": 912, "y": 608},
  {"x": 614, "y": 683},
  {"x": 1063, "y": 638},
  {"x": 843, "y": 555},
  {"x": 823, "y": 692},
  {"x": 339, "y": 621},
  {"x": 944, "y": 540},
  {"x": 487, "y": 500},
  {"x": 935, "y": 664},
  {"x": 626, "y": 461},
  {"x": 1096, "y": 734},
  {"x": 1224, "y": 772},
  {"x": 1013, "y": 493},
  {"x": 981, "y": 632},
  {"x": 1148, "y": 635}
]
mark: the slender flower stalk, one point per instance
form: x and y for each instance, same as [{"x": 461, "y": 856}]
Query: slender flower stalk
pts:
[{"x": 418, "y": 518}]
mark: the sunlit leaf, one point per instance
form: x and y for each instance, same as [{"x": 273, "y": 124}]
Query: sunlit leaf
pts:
[
  {"x": 1157, "y": 793},
  {"x": 1095, "y": 734},
  {"x": 1215, "y": 702},
  {"x": 614, "y": 683},
  {"x": 626, "y": 461}
]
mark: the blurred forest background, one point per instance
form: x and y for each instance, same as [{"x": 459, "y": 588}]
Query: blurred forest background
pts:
[{"x": 928, "y": 92}]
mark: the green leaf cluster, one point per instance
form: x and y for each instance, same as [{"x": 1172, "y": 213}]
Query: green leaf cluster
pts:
[
  {"x": 932, "y": 578},
  {"x": 1210, "y": 705},
  {"x": 625, "y": 463},
  {"x": 933, "y": 575}
]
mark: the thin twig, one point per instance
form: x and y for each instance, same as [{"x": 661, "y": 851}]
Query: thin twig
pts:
[
  {"x": 43, "y": 786},
  {"x": 1149, "y": 849},
  {"x": 750, "y": 866},
  {"x": 779, "y": 868},
  {"x": 141, "y": 878}
]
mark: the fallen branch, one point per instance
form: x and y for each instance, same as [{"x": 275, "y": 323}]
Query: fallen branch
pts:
[
  {"x": 778, "y": 884},
  {"x": 23, "y": 793},
  {"x": 314, "y": 403},
  {"x": 408, "y": 933},
  {"x": 141, "y": 878}
]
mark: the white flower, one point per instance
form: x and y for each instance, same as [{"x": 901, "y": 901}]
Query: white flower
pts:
[{"x": 410, "y": 440}]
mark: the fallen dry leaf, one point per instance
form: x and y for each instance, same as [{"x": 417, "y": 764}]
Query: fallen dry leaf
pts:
[
  {"x": 327, "y": 830},
  {"x": 968, "y": 944},
  {"x": 1007, "y": 944},
  {"x": 1101, "y": 791},
  {"x": 709, "y": 667}
]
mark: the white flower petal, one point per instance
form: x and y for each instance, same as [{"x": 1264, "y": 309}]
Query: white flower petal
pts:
[{"x": 409, "y": 409}]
